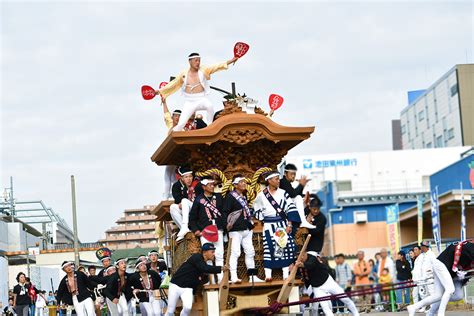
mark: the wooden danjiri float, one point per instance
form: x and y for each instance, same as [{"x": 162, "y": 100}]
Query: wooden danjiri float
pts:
[{"x": 236, "y": 142}]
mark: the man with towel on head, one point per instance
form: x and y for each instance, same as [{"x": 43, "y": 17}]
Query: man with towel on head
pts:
[
  {"x": 206, "y": 219},
  {"x": 278, "y": 212},
  {"x": 118, "y": 290},
  {"x": 296, "y": 194},
  {"x": 183, "y": 193},
  {"x": 239, "y": 225},
  {"x": 74, "y": 290},
  {"x": 194, "y": 84}
]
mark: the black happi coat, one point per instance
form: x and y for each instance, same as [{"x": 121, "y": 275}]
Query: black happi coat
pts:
[
  {"x": 136, "y": 283},
  {"x": 198, "y": 218},
  {"x": 112, "y": 289},
  {"x": 83, "y": 286}
]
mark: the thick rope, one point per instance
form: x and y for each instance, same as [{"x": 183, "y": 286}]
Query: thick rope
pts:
[{"x": 277, "y": 306}]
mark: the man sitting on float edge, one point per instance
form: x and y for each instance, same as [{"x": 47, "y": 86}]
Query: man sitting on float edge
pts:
[
  {"x": 296, "y": 194},
  {"x": 183, "y": 194},
  {"x": 188, "y": 276},
  {"x": 206, "y": 219}
]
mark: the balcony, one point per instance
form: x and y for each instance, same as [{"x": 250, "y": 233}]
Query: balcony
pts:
[
  {"x": 129, "y": 237},
  {"x": 130, "y": 228},
  {"x": 128, "y": 219}
]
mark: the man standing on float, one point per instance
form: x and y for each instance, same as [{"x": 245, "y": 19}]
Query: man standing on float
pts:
[
  {"x": 194, "y": 84},
  {"x": 278, "y": 212}
]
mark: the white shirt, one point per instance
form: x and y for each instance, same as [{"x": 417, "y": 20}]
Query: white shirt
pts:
[
  {"x": 416, "y": 272},
  {"x": 263, "y": 208},
  {"x": 390, "y": 266},
  {"x": 427, "y": 264},
  {"x": 40, "y": 302}
]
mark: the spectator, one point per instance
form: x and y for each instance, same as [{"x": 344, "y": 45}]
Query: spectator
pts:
[
  {"x": 373, "y": 274},
  {"x": 411, "y": 255},
  {"x": 385, "y": 279},
  {"x": 386, "y": 262},
  {"x": 51, "y": 299},
  {"x": 403, "y": 274},
  {"x": 361, "y": 272},
  {"x": 343, "y": 278},
  {"x": 40, "y": 303},
  {"x": 21, "y": 299},
  {"x": 9, "y": 310},
  {"x": 417, "y": 275}
]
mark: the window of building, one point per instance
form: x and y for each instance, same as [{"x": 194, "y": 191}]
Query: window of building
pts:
[
  {"x": 429, "y": 145},
  {"x": 344, "y": 185},
  {"x": 421, "y": 115},
  {"x": 439, "y": 141},
  {"x": 454, "y": 90},
  {"x": 451, "y": 133},
  {"x": 404, "y": 129}
]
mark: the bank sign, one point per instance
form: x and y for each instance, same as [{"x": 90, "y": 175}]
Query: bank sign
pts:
[{"x": 313, "y": 163}]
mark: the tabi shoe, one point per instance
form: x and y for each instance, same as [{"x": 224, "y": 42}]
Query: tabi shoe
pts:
[
  {"x": 411, "y": 310},
  {"x": 182, "y": 232},
  {"x": 256, "y": 279},
  {"x": 305, "y": 224},
  {"x": 236, "y": 281}
]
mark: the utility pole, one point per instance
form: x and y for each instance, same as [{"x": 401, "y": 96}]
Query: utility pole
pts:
[
  {"x": 27, "y": 252},
  {"x": 74, "y": 221},
  {"x": 12, "y": 201}
]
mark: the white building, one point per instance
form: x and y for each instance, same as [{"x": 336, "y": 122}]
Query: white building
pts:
[
  {"x": 443, "y": 114},
  {"x": 373, "y": 173}
]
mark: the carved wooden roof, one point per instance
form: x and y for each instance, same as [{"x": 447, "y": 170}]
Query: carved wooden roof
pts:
[{"x": 236, "y": 131}]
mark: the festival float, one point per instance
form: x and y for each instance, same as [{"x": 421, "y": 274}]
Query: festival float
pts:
[{"x": 242, "y": 139}]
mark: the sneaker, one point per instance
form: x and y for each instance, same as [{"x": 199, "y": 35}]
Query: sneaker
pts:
[
  {"x": 236, "y": 281},
  {"x": 268, "y": 279},
  {"x": 421, "y": 310}
]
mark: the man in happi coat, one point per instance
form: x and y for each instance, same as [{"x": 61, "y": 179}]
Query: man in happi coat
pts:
[{"x": 278, "y": 212}]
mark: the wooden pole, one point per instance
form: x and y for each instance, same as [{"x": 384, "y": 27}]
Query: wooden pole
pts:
[
  {"x": 224, "y": 285},
  {"x": 286, "y": 288}
]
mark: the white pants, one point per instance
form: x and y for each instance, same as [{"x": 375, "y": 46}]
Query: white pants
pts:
[
  {"x": 157, "y": 305},
  {"x": 219, "y": 244},
  {"x": 332, "y": 288},
  {"x": 192, "y": 103},
  {"x": 456, "y": 296},
  {"x": 241, "y": 238},
  {"x": 170, "y": 178},
  {"x": 299, "y": 203},
  {"x": 181, "y": 215},
  {"x": 86, "y": 307},
  {"x": 268, "y": 272},
  {"x": 120, "y": 309},
  {"x": 174, "y": 293},
  {"x": 443, "y": 289},
  {"x": 39, "y": 311}
]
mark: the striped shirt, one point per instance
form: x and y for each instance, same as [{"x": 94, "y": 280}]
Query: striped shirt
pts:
[{"x": 343, "y": 275}]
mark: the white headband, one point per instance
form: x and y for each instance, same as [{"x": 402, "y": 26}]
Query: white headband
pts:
[
  {"x": 66, "y": 264},
  {"x": 271, "y": 175},
  {"x": 139, "y": 263},
  {"x": 237, "y": 180},
  {"x": 207, "y": 181},
  {"x": 195, "y": 56},
  {"x": 119, "y": 260},
  {"x": 185, "y": 173}
]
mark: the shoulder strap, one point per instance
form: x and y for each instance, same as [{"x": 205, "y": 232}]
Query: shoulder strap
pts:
[{"x": 274, "y": 203}]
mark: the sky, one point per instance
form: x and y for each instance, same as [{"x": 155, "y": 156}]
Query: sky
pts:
[{"x": 71, "y": 74}]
